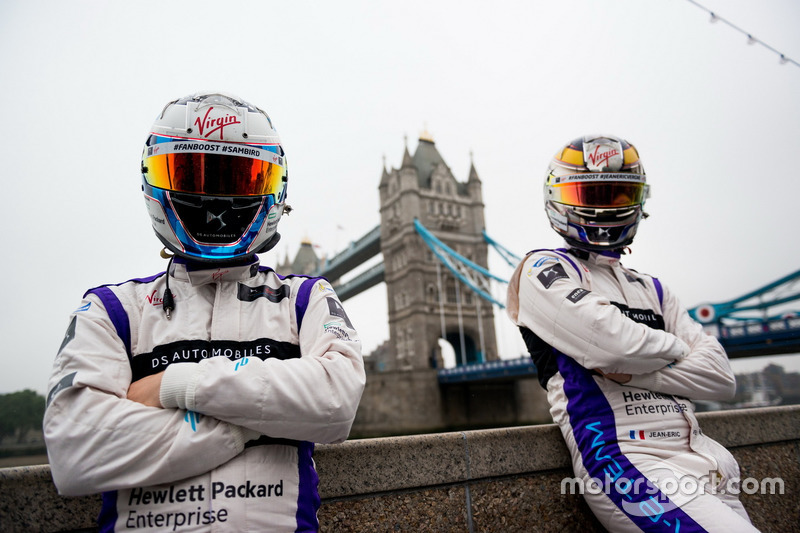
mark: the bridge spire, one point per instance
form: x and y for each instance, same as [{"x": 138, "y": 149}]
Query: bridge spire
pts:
[
  {"x": 473, "y": 172},
  {"x": 407, "y": 161}
]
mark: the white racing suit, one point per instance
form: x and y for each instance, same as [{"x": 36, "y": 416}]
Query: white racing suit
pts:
[
  {"x": 257, "y": 367},
  {"x": 637, "y": 450}
]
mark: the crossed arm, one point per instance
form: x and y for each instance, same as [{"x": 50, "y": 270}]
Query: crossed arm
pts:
[
  {"x": 680, "y": 360},
  {"x": 105, "y": 433}
]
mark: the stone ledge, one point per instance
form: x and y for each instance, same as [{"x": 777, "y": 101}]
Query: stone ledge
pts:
[
  {"x": 745, "y": 427},
  {"x": 395, "y": 463},
  {"x": 380, "y": 465},
  {"x": 499, "y": 478}
]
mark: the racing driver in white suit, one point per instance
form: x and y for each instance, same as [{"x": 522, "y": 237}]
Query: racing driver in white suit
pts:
[
  {"x": 191, "y": 399},
  {"x": 620, "y": 358}
]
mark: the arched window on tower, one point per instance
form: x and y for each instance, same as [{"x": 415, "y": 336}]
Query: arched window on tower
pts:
[
  {"x": 430, "y": 294},
  {"x": 451, "y": 291}
]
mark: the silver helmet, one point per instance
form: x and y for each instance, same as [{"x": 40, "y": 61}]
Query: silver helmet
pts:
[
  {"x": 214, "y": 178},
  {"x": 594, "y": 192}
]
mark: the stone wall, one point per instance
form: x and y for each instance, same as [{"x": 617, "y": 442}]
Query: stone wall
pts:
[
  {"x": 411, "y": 402},
  {"x": 498, "y": 480}
]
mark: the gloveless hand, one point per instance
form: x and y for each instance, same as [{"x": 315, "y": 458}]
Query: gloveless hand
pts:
[{"x": 146, "y": 390}]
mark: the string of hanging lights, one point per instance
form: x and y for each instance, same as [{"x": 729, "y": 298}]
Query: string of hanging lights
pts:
[{"x": 782, "y": 58}]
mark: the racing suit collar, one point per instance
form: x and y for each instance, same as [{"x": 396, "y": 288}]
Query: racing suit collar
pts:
[
  {"x": 609, "y": 257},
  {"x": 198, "y": 273}
]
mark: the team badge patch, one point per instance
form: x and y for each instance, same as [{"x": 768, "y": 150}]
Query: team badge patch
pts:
[
  {"x": 549, "y": 275},
  {"x": 337, "y": 310},
  {"x": 576, "y": 295}
]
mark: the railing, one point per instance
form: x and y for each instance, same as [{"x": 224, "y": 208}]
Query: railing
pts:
[
  {"x": 748, "y": 338},
  {"x": 504, "y": 368}
]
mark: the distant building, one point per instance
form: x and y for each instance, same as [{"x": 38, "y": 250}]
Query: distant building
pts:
[
  {"x": 305, "y": 262},
  {"x": 770, "y": 386}
]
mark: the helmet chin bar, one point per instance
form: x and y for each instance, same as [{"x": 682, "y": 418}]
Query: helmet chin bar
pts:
[
  {"x": 617, "y": 247},
  {"x": 594, "y": 229},
  {"x": 268, "y": 245}
]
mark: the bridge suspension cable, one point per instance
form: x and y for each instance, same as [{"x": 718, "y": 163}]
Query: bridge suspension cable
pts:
[
  {"x": 767, "y": 300},
  {"x": 474, "y": 276},
  {"x": 511, "y": 258},
  {"x": 761, "y": 322}
]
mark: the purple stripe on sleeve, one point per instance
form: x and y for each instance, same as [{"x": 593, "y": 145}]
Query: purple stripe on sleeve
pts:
[
  {"x": 594, "y": 428},
  {"x": 148, "y": 279},
  {"x": 301, "y": 303},
  {"x": 117, "y": 314},
  {"x": 659, "y": 290}
]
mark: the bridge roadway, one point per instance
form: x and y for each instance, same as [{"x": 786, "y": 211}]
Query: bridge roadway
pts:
[
  {"x": 769, "y": 337},
  {"x": 522, "y": 367},
  {"x": 355, "y": 254}
]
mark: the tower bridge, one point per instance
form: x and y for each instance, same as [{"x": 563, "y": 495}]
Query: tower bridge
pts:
[
  {"x": 435, "y": 263},
  {"x": 435, "y": 248}
]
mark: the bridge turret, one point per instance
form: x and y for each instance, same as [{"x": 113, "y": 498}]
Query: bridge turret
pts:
[{"x": 426, "y": 302}]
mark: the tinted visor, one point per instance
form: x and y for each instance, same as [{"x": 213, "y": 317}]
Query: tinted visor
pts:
[
  {"x": 599, "y": 193},
  {"x": 214, "y": 168}
]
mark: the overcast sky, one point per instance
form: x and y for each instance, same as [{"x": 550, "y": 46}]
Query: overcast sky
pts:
[{"x": 716, "y": 121}]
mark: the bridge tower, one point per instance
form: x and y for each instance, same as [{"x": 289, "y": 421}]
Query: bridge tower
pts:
[{"x": 426, "y": 301}]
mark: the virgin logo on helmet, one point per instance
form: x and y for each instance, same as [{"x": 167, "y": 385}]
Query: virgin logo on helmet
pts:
[
  {"x": 214, "y": 124},
  {"x": 602, "y": 159}
]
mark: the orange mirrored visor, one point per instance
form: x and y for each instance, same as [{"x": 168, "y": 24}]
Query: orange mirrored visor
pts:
[
  {"x": 213, "y": 168},
  {"x": 600, "y": 193}
]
